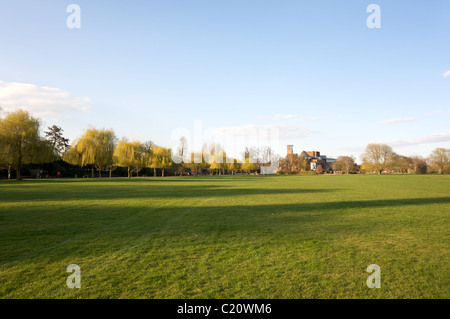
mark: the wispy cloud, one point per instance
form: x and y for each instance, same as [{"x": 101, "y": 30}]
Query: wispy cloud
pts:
[
  {"x": 440, "y": 112},
  {"x": 398, "y": 120},
  {"x": 283, "y": 130},
  {"x": 296, "y": 117},
  {"x": 446, "y": 74},
  {"x": 41, "y": 101},
  {"x": 433, "y": 138}
]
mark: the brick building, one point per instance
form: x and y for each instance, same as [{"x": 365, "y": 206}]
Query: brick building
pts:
[{"x": 313, "y": 158}]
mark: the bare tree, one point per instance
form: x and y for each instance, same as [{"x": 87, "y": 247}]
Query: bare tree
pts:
[
  {"x": 344, "y": 164},
  {"x": 440, "y": 159},
  {"x": 378, "y": 157},
  {"x": 419, "y": 165},
  {"x": 266, "y": 155},
  {"x": 293, "y": 164},
  {"x": 182, "y": 147},
  {"x": 252, "y": 154},
  {"x": 402, "y": 164}
]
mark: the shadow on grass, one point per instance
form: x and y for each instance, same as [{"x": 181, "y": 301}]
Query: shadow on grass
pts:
[
  {"x": 118, "y": 192},
  {"x": 44, "y": 232},
  {"x": 158, "y": 179},
  {"x": 367, "y": 204}
]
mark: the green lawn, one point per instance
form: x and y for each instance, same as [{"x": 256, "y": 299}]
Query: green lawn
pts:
[{"x": 226, "y": 237}]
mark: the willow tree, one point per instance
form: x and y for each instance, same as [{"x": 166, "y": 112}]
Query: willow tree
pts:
[
  {"x": 132, "y": 155},
  {"x": 144, "y": 155},
  {"x": 123, "y": 155},
  {"x": 147, "y": 154},
  {"x": 196, "y": 163},
  {"x": 71, "y": 155},
  {"x": 95, "y": 149},
  {"x": 222, "y": 159},
  {"x": 138, "y": 157},
  {"x": 248, "y": 166},
  {"x": 214, "y": 164},
  {"x": 20, "y": 142},
  {"x": 6, "y": 158},
  {"x": 234, "y": 166},
  {"x": 161, "y": 158},
  {"x": 214, "y": 157}
]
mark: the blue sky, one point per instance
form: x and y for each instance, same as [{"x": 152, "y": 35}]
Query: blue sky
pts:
[{"x": 312, "y": 70}]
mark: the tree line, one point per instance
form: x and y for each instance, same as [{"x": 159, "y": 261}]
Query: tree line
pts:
[
  {"x": 377, "y": 158},
  {"x": 99, "y": 150}
]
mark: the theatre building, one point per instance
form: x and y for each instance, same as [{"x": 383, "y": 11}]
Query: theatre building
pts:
[{"x": 314, "y": 158}]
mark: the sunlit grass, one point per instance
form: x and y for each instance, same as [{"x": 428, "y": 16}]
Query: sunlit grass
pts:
[{"x": 226, "y": 237}]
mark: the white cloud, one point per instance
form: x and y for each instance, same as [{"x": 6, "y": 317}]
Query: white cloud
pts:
[
  {"x": 398, "y": 120},
  {"x": 41, "y": 101},
  {"x": 446, "y": 74},
  {"x": 296, "y": 117},
  {"x": 433, "y": 138}
]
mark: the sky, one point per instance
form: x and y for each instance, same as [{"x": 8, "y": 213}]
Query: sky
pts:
[{"x": 241, "y": 73}]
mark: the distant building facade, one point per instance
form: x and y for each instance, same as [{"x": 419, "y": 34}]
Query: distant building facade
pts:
[{"x": 314, "y": 158}]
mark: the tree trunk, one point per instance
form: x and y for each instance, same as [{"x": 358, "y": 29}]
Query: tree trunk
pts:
[
  {"x": 9, "y": 171},
  {"x": 129, "y": 172},
  {"x": 19, "y": 163},
  {"x": 163, "y": 172},
  {"x": 110, "y": 170},
  {"x": 19, "y": 166},
  {"x": 92, "y": 172},
  {"x": 18, "y": 176},
  {"x": 99, "y": 173},
  {"x": 154, "y": 171}
]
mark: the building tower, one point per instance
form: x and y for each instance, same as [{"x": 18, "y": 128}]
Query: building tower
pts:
[{"x": 290, "y": 150}]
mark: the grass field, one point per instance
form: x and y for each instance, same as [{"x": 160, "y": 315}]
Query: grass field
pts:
[{"x": 226, "y": 237}]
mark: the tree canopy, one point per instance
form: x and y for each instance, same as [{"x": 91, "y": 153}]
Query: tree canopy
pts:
[
  {"x": 20, "y": 142},
  {"x": 95, "y": 148},
  {"x": 440, "y": 160},
  {"x": 162, "y": 158},
  {"x": 133, "y": 155},
  {"x": 57, "y": 140},
  {"x": 344, "y": 163},
  {"x": 378, "y": 157}
]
